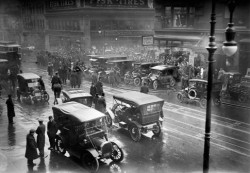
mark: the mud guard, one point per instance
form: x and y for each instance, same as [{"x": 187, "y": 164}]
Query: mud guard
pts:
[
  {"x": 94, "y": 153},
  {"x": 112, "y": 115}
]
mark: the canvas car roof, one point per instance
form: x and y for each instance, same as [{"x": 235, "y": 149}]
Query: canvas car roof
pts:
[
  {"x": 76, "y": 93},
  {"x": 162, "y": 67},
  {"x": 29, "y": 75},
  {"x": 79, "y": 112},
  {"x": 137, "y": 98},
  {"x": 197, "y": 80},
  {"x": 120, "y": 60},
  {"x": 3, "y": 60}
]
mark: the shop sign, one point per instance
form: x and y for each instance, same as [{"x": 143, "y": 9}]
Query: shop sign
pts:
[
  {"x": 57, "y": 4},
  {"x": 147, "y": 40},
  {"x": 116, "y": 3}
]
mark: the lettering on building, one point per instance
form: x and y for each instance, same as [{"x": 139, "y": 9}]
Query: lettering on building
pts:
[
  {"x": 55, "y": 4},
  {"x": 116, "y": 3}
]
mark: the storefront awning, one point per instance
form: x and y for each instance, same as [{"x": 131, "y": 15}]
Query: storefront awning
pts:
[{"x": 177, "y": 37}]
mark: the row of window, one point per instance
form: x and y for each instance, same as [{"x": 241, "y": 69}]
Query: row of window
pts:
[
  {"x": 55, "y": 24},
  {"x": 120, "y": 25},
  {"x": 31, "y": 24}
]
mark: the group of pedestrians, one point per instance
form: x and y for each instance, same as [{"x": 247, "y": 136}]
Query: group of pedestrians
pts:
[{"x": 33, "y": 144}]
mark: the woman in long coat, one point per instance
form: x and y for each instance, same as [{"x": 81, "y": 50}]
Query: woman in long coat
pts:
[{"x": 31, "y": 148}]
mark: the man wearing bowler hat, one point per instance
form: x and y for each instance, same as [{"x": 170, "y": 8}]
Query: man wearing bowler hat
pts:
[
  {"x": 40, "y": 137},
  {"x": 31, "y": 148}
]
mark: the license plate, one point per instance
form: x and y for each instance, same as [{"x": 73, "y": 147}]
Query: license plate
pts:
[{"x": 37, "y": 94}]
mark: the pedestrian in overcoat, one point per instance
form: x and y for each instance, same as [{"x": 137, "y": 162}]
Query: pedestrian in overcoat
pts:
[
  {"x": 31, "y": 148},
  {"x": 144, "y": 89},
  {"x": 101, "y": 103},
  {"x": 99, "y": 87},
  {"x": 51, "y": 132},
  {"x": 40, "y": 137},
  {"x": 10, "y": 109}
]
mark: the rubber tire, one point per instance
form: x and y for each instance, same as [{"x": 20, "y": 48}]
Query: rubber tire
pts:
[
  {"x": 155, "y": 85},
  {"x": 203, "y": 103},
  {"x": 117, "y": 154},
  {"x": 137, "y": 81},
  {"x": 180, "y": 97},
  {"x": 60, "y": 145},
  {"x": 216, "y": 101},
  {"x": 89, "y": 162},
  {"x": 158, "y": 132},
  {"x": 242, "y": 97},
  {"x": 135, "y": 132},
  {"x": 46, "y": 97},
  {"x": 172, "y": 82}
]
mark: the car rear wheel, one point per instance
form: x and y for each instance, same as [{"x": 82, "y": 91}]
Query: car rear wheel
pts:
[
  {"x": 172, "y": 82},
  {"x": 137, "y": 81},
  {"x": 60, "y": 145},
  {"x": 46, "y": 96},
  {"x": 135, "y": 132},
  {"x": 242, "y": 97},
  {"x": 157, "y": 129},
  {"x": 155, "y": 85},
  {"x": 90, "y": 162},
  {"x": 117, "y": 153},
  {"x": 203, "y": 103}
]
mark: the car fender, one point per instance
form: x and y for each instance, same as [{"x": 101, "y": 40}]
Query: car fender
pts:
[
  {"x": 93, "y": 152},
  {"x": 136, "y": 123},
  {"x": 112, "y": 115}
]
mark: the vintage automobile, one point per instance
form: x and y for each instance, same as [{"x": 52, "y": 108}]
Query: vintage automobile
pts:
[
  {"x": 197, "y": 92},
  {"x": 140, "y": 70},
  {"x": 117, "y": 69},
  {"x": 236, "y": 86},
  {"x": 29, "y": 89},
  {"x": 137, "y": 112},
  {"x": 76, "y": 95},
  {"x": 83, "y": 135},
  {"x": 162, "y": 75}
]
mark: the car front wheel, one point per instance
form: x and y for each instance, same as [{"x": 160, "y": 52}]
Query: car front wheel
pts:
[
  {"x": 157, "y": 129},
  {"x": 135, "y": 132},
  {"x": 117, "y": 153},
  {"x": 137, "y": 81},
  {"x": 242, "y": 97}
]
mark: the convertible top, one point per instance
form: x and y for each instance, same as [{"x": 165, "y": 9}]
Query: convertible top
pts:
[
  {"x": 78, "y": 112},
  {"x": 76, "y": 93},
  {"x": 29, "y": 76},
  {"x": 137, "y": 98},
  {"x": 163, "y": 67}
]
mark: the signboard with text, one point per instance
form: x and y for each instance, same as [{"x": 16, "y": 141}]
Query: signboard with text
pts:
[
  {"x": 147, "y": 40},
  {"x": 58, "y": 4},
  {"x": 116, "y": 3}
]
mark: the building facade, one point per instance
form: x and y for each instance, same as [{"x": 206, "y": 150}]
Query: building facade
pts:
[
  {"x": 100, "y": 23},
  {"x": 186, "y": 24}
]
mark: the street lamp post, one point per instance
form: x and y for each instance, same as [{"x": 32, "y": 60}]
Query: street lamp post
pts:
[{"x": 229, "y": 48}]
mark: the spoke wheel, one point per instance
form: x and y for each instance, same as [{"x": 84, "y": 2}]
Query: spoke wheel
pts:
[
  {"x": 242, "y": 97},
  {"x": 180, "y": 97},
  {"x": 114, "y": 168},
  {"x": 46, "y": 97},
  {"x": 157, "y": 130},
  {"x": 137, "y": 81},
  {"x": 172, "y": 82},
  {"x": 203, "y": 103},
  {"x": 155, "y": 85},
  {"x": 135, "y": 132},
  {"x": 90, "y": 162},
  {"x": 117, "y": 153},
  {"x": 216, "y": 101},
  {"x": 60, "y": 146}
]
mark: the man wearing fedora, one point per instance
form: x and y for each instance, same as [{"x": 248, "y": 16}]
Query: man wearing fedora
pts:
[
  {"x": 31, "y": 148},
  {"x": 10, "y": 109},
  {"x": 40, "y": 137}
]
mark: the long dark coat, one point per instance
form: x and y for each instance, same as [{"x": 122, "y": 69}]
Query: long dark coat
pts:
[
  {"x": 40, "y": 136},
  {"x": 52, "y": 128},
  {"x": 99, "y": 87},
  {"x": 31, "y": 148},
  {"x": 101, "y": 104},
  {"x": 10, "y": 108}
]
